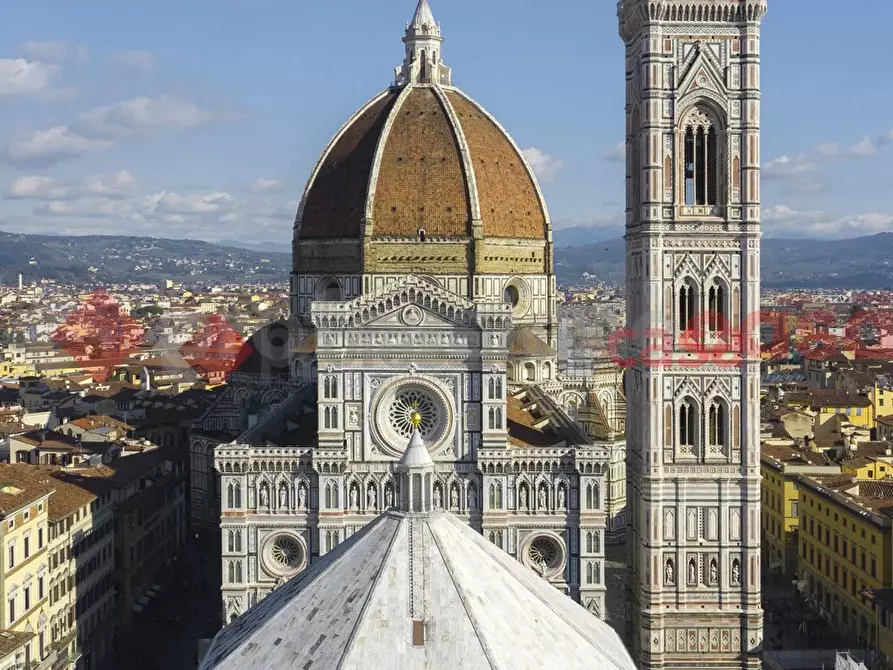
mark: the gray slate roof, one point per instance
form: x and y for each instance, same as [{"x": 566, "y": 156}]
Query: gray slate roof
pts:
[{"x": 355, "y": 609}]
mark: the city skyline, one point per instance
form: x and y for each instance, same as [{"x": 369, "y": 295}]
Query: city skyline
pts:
[{"x": 156, "y": 124}]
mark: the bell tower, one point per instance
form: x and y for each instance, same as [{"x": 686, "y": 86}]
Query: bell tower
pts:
[{"x": 693, "y": 291}]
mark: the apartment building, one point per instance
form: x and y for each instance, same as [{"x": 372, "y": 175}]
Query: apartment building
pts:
[
  {"x": 845, "y": 550},
  {"x": 780, "y": 465},
  {"x": 81, "y": 561},
  {"x": 24, "y": 578}
]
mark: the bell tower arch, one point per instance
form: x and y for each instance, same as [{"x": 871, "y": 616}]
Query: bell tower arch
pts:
[{"x": 693, "y": 282}]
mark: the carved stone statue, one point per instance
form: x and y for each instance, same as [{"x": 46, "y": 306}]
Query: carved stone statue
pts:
[
  {"x": 388, "y": 495},
  {"x": 264, "y": 496},
  {"x": 354, "y": 495},
  {"x": 543, "y": 499},
  {"x": 692, "y": 572},
  {"x": 454, "y": 497},
  {"x": 370, "y": 498},
  {"x": 712, "y": 572},
  {"x": 560, "y": 497},
  {"x": 523, "y": 494},
  {"x": 438, "y": 498},
  {"x": 302, "y": 497},
  {"x": 668, "y": 574},
  {"x": 736, "y": 576},
  {"x": 283, "y": 497},
  {"x": 472, "y": 498}
]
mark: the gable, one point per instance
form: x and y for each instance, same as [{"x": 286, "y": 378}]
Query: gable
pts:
[
  {"x": 702, "y": 74},
  {"x": 411, "y": 302}
]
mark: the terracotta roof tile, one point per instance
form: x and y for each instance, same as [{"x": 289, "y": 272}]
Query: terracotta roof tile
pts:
[
  {"x": 21, "y": 484},
  {"x": 11, "y": 640},
  {"x": 523, "y": 341}
]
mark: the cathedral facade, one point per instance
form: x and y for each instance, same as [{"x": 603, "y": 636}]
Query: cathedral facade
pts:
[
  {"x": 423, "y": 294},
  {"x": 693, "y": 296}
]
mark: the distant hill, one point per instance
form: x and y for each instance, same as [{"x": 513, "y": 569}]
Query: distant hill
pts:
[
  {"x": 858, "y": 263},
  {"x": 118, "y": 259}
]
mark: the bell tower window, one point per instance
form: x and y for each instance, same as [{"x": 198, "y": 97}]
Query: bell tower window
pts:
[
  {"x": 687, "y": 307},
  {"x": 717, "y": 316},
  {"x": 700, "y": 167}
]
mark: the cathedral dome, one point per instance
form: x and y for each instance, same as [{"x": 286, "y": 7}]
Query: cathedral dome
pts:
[
  {"x": 422, "y": 157},
  {"x": 421, "y": 161}
]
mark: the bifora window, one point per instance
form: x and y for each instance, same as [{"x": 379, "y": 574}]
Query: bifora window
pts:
[{"x": 701, "y": 172}]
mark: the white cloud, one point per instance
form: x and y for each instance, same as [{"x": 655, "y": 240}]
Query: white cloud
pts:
[
  {"x": 617, "y": 153},
  {"x": 175, "y": 203},
  {"x": 118, "y": 185},
  {"x": 99, "y": 128},
  {"x": 784, "y": 221},
  {"x": 38, "y": 188},
  {"x": 21, "y": 77},
  {"x": 55, "y": 52},
  {"x": 544, "y": 166},
  {"x": 143, "y": 115},
  {"x": 867, "y": 147},
  {"x": 47, "y": 147},
  {"x": 263, "y": 185},
  {"x": 789, "y": 166},
  {"x": 136, "y": 60},
  {"x": 111, "y": 187}
]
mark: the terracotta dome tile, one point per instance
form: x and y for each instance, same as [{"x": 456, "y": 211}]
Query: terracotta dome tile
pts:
[
  {"x": 336, "y": 200},
  {"x": 509, "y": 198},
  {"x": 421, "y": 182}
]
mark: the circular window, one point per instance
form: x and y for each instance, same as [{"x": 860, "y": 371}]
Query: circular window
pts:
[
  {"x": 511, "y": 296},
  {"x": 284, "y": 555},
  {"x": 410, "y": 402},
  {"x": 544, "y": 553},
  {"x": 516, "y": 294},
  {"x": 395, "y": 405}
]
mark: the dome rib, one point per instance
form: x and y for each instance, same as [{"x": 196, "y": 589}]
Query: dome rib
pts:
[
  {"x": 474, "y": 199},
  {"x": 334, "y": 198},
  {"x": 496, "y": 184},
  {"x": 379, "y": 150},
  {"x": 421, "y": 183}
]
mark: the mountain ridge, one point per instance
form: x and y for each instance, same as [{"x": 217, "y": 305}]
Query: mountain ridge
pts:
[{"x": 855, "y": 263}]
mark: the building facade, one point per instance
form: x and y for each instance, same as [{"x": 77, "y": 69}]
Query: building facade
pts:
[
  {"x": 24, "y": 500},
  {"x": 693, "y": 282},
  {"x": 424, "y": 285}
]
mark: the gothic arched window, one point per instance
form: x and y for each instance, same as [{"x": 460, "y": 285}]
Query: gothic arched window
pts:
[
  {"x": 592, "y": 496},
  {"x": 237, "y": 494},
  {"x": 701, "y": 173},
  {"x": 231, "y": 543},
  {"x": 231, "y": 572},
  {"x": 230, "y": 497},
  {"x": 491, "y": 385},
  {"x": 687, "y": 423},
  {"x": 717, "y": 311},
  {"x": 498, "y": 388},
  {"x": 238, "y": 535},
  {"x": 687, "y": 306},
  {"x": 716, "y": 424},
  {"x": 327, "y": 414}
]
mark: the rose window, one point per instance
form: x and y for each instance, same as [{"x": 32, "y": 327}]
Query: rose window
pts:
[
  {"x": 413, "y": 406},
  {"x": 284, "y": 555},
  {"x": 544, "y": 553},
  {"x": 286, "y": 552}
]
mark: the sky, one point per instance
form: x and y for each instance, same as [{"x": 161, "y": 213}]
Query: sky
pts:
[{"x": 203, "y": 118}]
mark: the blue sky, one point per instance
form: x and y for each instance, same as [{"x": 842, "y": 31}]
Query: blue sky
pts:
[{"x": 203, "y": 118}]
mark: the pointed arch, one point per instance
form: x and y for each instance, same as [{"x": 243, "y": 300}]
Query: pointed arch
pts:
[
  {"x": 687, "y": 422},
  {"x": 717, "y": 423}
]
